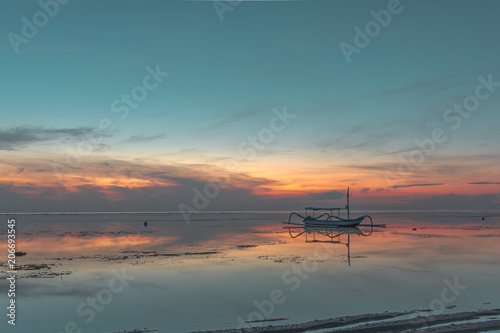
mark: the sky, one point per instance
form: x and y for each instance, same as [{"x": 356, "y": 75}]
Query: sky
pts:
[{"x": 250, "y": 105}]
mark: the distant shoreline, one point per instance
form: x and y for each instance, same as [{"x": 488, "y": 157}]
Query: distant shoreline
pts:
[{"x": 261, "y": 211}]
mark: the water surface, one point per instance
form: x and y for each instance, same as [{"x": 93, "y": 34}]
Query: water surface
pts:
[{"x": 226, "y": 267}]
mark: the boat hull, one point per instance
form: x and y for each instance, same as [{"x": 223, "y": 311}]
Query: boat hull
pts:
[{"x": 311, "y": 222}]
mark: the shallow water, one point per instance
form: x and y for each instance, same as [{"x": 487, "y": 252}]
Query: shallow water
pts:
[{"x": 223, "y": 268}]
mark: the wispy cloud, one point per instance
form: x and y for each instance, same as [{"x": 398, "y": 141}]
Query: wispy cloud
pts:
[
  {"x": 145, "y": 138},
  {"x": 235, "y": 118},
  {"x": 413, "y": 185},
  {"x": 432, "y": 85},
  {"x": 484, "y": 183},
  {"x": 19, "y": 137},
  {"x": 364, "y": 140},
  {"x": 456, "y": 201},
  {"x": 330, "y": 195}
]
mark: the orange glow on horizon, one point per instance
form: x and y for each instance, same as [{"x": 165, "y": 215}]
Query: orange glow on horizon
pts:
[
  {"x": 270, "y": 177},
  {"x": 90, "y": 245}
]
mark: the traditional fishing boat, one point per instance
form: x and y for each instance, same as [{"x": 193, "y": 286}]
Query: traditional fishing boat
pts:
[{"x": 328, "y": 218}]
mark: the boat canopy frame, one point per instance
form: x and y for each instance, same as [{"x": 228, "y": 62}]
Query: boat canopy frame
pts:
[
  {"x": 316, "y": 209},
  {"x": 328, "y": 217}
]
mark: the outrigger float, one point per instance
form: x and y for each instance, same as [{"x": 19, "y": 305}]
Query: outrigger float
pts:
[{"x": 328, "y": 219}]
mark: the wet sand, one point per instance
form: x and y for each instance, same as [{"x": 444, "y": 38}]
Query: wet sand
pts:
[{"x": 449, "y": 322}]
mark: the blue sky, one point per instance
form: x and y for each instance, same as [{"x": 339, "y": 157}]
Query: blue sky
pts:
[{"x": 226, "y": 77}]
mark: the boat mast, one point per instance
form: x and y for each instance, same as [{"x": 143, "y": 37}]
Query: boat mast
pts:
[{"x": 348, "y": 203}]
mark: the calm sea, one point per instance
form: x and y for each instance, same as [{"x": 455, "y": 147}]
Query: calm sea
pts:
[{"x": 110, "y": 272}]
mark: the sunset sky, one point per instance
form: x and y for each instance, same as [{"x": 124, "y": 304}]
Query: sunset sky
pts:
[{"x": 142, "y": 105}]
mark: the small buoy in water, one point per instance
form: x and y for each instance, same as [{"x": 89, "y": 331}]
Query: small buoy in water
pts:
[
  {"x": 414, "y": 229},
  {"x": 145, "y": 224},
  {"x": 483, "y": 218}
]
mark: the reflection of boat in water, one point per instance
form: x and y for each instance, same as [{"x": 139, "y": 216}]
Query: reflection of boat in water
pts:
[
  {"x": 333, "y": 235},
  {"x": 331, "y": 232},
  {"x": 327, "y": 219}
]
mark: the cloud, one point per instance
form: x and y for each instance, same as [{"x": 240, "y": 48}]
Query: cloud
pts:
[
  {"x": 101, "y": 184},
  {"x": 434, "y": 85},
  {"x": 15, "y": 138},
  {"x": 93, "y": 198},
  {"x": 455, "y": 201},
  {"x": 400, "y": 151},
  {"x": 135, "y": 172},
  {"x": 235, "y": 118},
  {"x": 145, "y": 138},
  {"x": 377, "y": 167},
  {"x": 484, "y": 183},
  {"x": 104, "y": 184},
  {"x": 167, "y": 195},
  {"x": 330, "y": 195},
  {"x": 413, "y": 185},
  {"x": 366, "y": 140}
]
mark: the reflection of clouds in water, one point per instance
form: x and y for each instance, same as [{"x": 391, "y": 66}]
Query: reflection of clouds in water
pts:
[
  {"x": 203, "y": 227},
  {"x": 486, "y": 235},
  {"x": 89, "y": 244},
  {"x": 422, "y": 235},
  {"x": 83, "y": 288}
]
